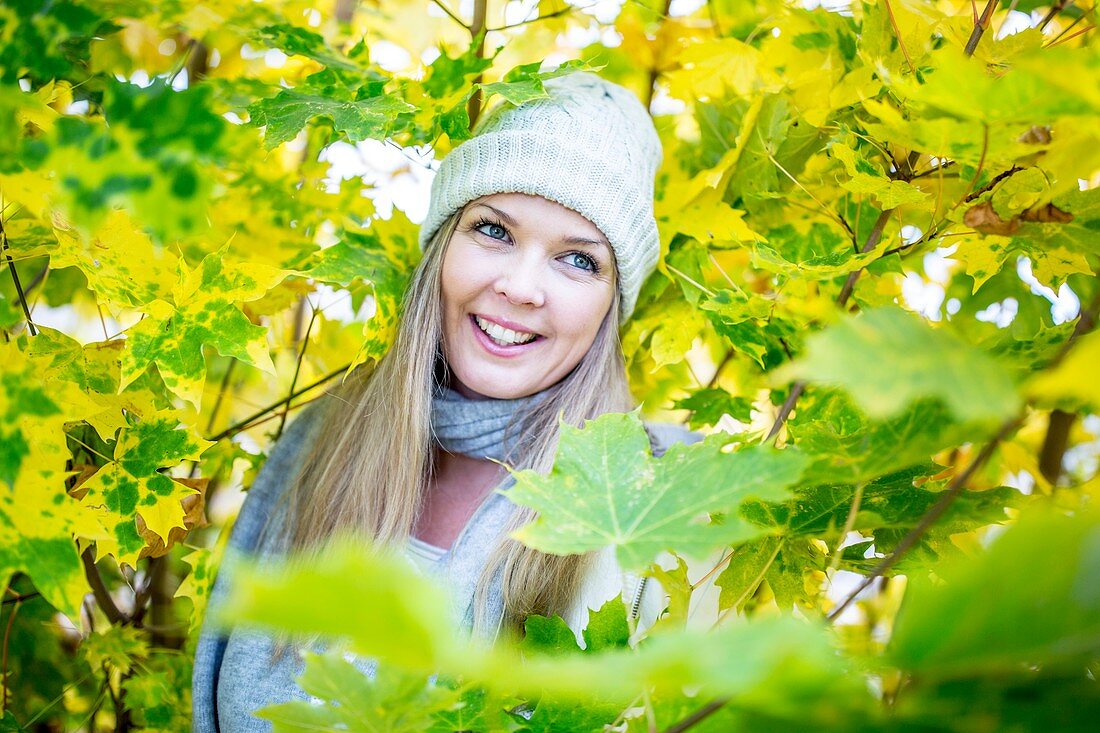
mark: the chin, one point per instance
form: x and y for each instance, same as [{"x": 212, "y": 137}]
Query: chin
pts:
[{"x": 485, "y": 387}]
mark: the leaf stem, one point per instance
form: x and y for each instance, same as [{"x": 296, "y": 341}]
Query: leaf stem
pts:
[{"x": 901, "y": 41}]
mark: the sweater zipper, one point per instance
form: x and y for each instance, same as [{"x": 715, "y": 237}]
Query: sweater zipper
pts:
[{"x": 636, "y": 604}]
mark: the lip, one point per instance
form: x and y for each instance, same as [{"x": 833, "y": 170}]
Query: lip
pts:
[
  {"x": 496, "y": 349},
  {"x": 504, "y": 323}
]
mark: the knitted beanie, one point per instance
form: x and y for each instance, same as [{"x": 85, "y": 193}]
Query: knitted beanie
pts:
[{"x": 590, "y": 146}]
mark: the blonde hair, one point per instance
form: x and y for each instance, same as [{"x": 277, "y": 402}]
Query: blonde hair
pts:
[{"x": 371, "y": 463}]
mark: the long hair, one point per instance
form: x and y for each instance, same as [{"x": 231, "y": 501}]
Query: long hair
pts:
[{"x": 371, "y": 463}]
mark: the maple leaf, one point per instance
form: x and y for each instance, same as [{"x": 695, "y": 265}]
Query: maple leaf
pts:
[
  {"x": 203, "y": 312},
  {"x": 133, "y": 485},
  {"x": 606, "y": 489}
]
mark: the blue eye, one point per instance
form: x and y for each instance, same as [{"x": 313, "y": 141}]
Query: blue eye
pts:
[
  {"x": 582, "y": 261},
  {"x": 492, "y": 230}
]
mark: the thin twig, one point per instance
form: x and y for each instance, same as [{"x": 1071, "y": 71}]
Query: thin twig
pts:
[
  {"x": 654, "y": 72},
  {"x": 825, "y": 209},
  {"x": 15, "y": 279},
  {"x": 1069, "y": 37},
  {"x": 536, "y": 19},
  {"x": 21, "y": 598},
  {"x": 443, "y": 6},
  {"x": 979, "y": 27},
  {"x": 1054, "y": 10},
  {"x": 1008, "y": 12},
  {"x": 993, "y": 182},
  {"x": 981, "y": 160},
  {"x": 221, "y": 394},
  {"x": 246, "y": 423},
  {"x": 1066, "y": 30},
  {"x": 698, "y": 716},
  {"x": 477, "y": 32},
  {"x": 785, "y": 411},
  {"x": 297, "y": 371}
]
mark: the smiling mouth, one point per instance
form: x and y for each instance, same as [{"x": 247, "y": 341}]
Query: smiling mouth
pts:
[{"x": 502, "y": 336}]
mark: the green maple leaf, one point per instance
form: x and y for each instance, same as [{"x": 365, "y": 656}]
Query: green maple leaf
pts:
[
  {"x": 204, "y": 312},
  {"x": 889, "y": 507},
  {"x": 606, "y": 489},
  {"x": 888, "y": 358},
  {"x": 360, "y": 109},
  {"x": 297, "y": 41},
  {"x": 132, "y": 484},
  {"x": 525, "y": 82},
  {"x": 709, "y": 405}
]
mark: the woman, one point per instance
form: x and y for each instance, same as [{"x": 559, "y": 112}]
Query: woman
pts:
[{"x": 538, "y": 237}]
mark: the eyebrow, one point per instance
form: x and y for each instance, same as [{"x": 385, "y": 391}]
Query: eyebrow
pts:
[{"x": 580, "y": 241}]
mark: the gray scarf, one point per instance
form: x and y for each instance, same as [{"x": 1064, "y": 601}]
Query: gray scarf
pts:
[{"x": 486, "y": 428}]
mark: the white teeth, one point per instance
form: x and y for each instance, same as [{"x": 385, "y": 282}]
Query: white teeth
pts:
[{"x": 503, "y": 336}]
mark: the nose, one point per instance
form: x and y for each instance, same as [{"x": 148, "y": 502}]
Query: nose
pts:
[{"x": 520, "y": 281}]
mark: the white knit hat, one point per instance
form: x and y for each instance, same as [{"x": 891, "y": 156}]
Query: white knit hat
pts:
[{"x": 590, "y": 146}]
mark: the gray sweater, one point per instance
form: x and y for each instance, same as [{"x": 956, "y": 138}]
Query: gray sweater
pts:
[{"x": 236, "y": 674}]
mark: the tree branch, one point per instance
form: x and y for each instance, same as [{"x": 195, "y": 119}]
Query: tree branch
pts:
[
  {"x": 99, "y": 590},
  {"x": 698, "y": 716},
  {"x": 979, "y": 27},
  {"x": 477, "y": 31},
  {"x": 947, "y": 498},
  {"x": 1054, "y": 10},
  {"x": 560, "y": 11},
  {"x": 1054, "y": 444}
]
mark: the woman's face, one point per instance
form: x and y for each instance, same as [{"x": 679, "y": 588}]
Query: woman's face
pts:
[{"x": 526, "y": 283}]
